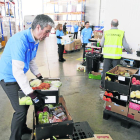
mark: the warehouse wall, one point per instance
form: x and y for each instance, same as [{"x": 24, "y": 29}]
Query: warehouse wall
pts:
[
  {"x": 93, "y": 11},
  {"x": 128, "y": 14}
]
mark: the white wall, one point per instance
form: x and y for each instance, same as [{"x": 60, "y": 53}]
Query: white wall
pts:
[
  {"x": 128, "y": 14},
  {"x": 92, "y": 12}
]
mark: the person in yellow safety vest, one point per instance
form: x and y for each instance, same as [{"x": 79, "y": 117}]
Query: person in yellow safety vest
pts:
[{"x": 113, "y": 42}]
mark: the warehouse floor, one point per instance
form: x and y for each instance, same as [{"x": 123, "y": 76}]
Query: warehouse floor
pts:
[{"x": 82, "y": 95}]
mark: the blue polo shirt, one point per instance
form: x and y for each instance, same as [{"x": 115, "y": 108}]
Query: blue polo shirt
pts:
[
  {"x": 86, "y": 34},
  {"x": 75, "y": 28},
  {"x": 59, "y": 33},
  {"x": 20, "y": 46}
]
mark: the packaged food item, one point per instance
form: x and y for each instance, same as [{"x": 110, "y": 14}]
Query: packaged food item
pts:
[{"x": 55, "y": 119}]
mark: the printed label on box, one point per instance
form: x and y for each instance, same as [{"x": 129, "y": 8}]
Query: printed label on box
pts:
[
  {"x": 121, "y": 78},
  {"x": 124, "y": 98},
  {"x": 51, "y": 99}
]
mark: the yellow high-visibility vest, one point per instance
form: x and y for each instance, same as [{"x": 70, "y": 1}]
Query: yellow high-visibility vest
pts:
[{"x": 113, "y": 44}]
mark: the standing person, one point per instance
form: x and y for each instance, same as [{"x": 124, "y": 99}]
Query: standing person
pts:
[
  {"x": 85, "y": 36},
  {"x": 60, "y": 33},
  {"x": 82, "y": 27},
  {"x": 64, "y": 28},
  {"x": 75, "y": 30},
  {"x": 18, "y": 56},
  {"x": 112, "y": 42}
]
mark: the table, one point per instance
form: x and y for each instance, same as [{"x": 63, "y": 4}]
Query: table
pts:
[{"x": 130, "y": 56}]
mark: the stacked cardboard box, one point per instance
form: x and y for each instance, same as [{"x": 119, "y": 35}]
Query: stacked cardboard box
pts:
[
  {"x": 98, "y": 34},
  {"x": 118, "y": 90},
  {"x": 77, "y": 44}
]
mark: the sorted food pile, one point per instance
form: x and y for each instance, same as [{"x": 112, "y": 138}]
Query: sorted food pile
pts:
[
  {"x": 52, "y": 114},
  {"x": 108, "y": 99},
  {"x": 125, "y": 73},
  {"x": 135, "y": 81},
  {"x": 45, "y": 85},
  {"x": 135, "y": 96}
]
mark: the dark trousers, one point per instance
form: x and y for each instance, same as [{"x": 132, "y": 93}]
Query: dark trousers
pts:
[
  {"x": 84, "y": 45},
  {"x": 75, "y": 35},
  {"x": 60, "y": 51},
  {"x": 19, "y": 116},
  {"x": 108, "y": 64}
]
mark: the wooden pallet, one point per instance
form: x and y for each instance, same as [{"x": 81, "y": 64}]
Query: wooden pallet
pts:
[{"x": 125, "y": 121}]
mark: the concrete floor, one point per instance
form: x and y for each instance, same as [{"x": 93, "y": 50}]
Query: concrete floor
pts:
[{"x": 81, "y": 95}]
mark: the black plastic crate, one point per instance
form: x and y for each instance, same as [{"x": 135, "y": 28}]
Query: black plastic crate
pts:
[
  {"x": 82, "y": 130},
  {"x": 58, "y": 129},
  {"x": 135, "y": 87},
  {"x": 114, "y": 86},
  {"x": 117, "y": 98},
  {"x": 52, "y": 96}
]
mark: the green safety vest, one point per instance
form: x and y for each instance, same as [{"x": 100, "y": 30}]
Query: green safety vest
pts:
[{"x": 113, "y": 44}]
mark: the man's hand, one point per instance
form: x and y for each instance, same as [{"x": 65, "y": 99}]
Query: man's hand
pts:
[
  {"x": 39, "y": 76},
  {"x": 37, "y": 101}
]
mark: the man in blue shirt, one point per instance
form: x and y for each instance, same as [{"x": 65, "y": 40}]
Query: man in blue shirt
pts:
[
  {"x": 85, "y": 36},
  {"x": 18, "y": 57},
  {"x": 75, "y": 30}
]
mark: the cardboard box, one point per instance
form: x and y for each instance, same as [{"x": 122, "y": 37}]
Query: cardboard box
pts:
[
  {"x": 81, "y": 68},
  {"x": 52, "y": 95},
  {"x": 102, "y": 137},
  {"x": 134, "y": 106},
  {"x": 80, "y": 7},
  {"x": 74, "y": 17},
  {"x": 69, "y": 47},
  {"x": 5, "y": 39},
  {"x": 62, "y": 9},
  {"x": 44, "y": 131},
  {"x": 64, "y": 17},
  {"x": 117, "y": 108},
  {"x": 69, "y": 17},
  {"x": 71, "y": 8},
  {"x": 98, "y": 34},
  {"x": 134, "y": 114},
  {"x": 77, "y": 44}
]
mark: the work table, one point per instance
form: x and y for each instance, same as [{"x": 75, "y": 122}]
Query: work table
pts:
[{"x": 130, "y": 56}]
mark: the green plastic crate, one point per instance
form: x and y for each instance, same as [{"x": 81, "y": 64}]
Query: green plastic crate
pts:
[{"x": 96, "y": 77}]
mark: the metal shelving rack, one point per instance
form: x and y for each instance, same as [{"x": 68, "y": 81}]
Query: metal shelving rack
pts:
[
  {"x": 58, "y": 2},
  {"x": 7, "y": 17}
]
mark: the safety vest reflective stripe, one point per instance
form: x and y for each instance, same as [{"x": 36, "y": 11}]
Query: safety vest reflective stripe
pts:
[
  {"x": 114, "y": 46},
  {"x": 112, "y": 54}
]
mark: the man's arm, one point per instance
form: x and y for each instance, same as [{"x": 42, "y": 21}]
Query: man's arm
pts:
[
  {"x": 125, "y": 45},
  {"x": 21, "y": 78},
  {"x": 18, "y": 57},
  {"x": 34, "y": 68},
  {"x": 102, "y": 41}
]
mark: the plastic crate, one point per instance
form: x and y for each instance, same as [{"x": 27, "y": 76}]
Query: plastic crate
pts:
[
  {"x": 82, "y": 130},
  {"x": 96, "y": 77}
]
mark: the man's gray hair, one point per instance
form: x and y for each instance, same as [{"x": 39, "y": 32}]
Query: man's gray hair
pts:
[
  {"x": 43, "y": 21},
  {"x": 114, "y": 23}
]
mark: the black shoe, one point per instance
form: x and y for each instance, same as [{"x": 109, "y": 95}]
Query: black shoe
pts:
[
  {"x": 83, "y": 63},
  {"x": 61, "y": 60},
  {"x": 26, "y": 131},
  {"x": 64, "y": 59}
]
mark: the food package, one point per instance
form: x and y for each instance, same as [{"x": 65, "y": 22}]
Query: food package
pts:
[{"x": 55, "y": 119}]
